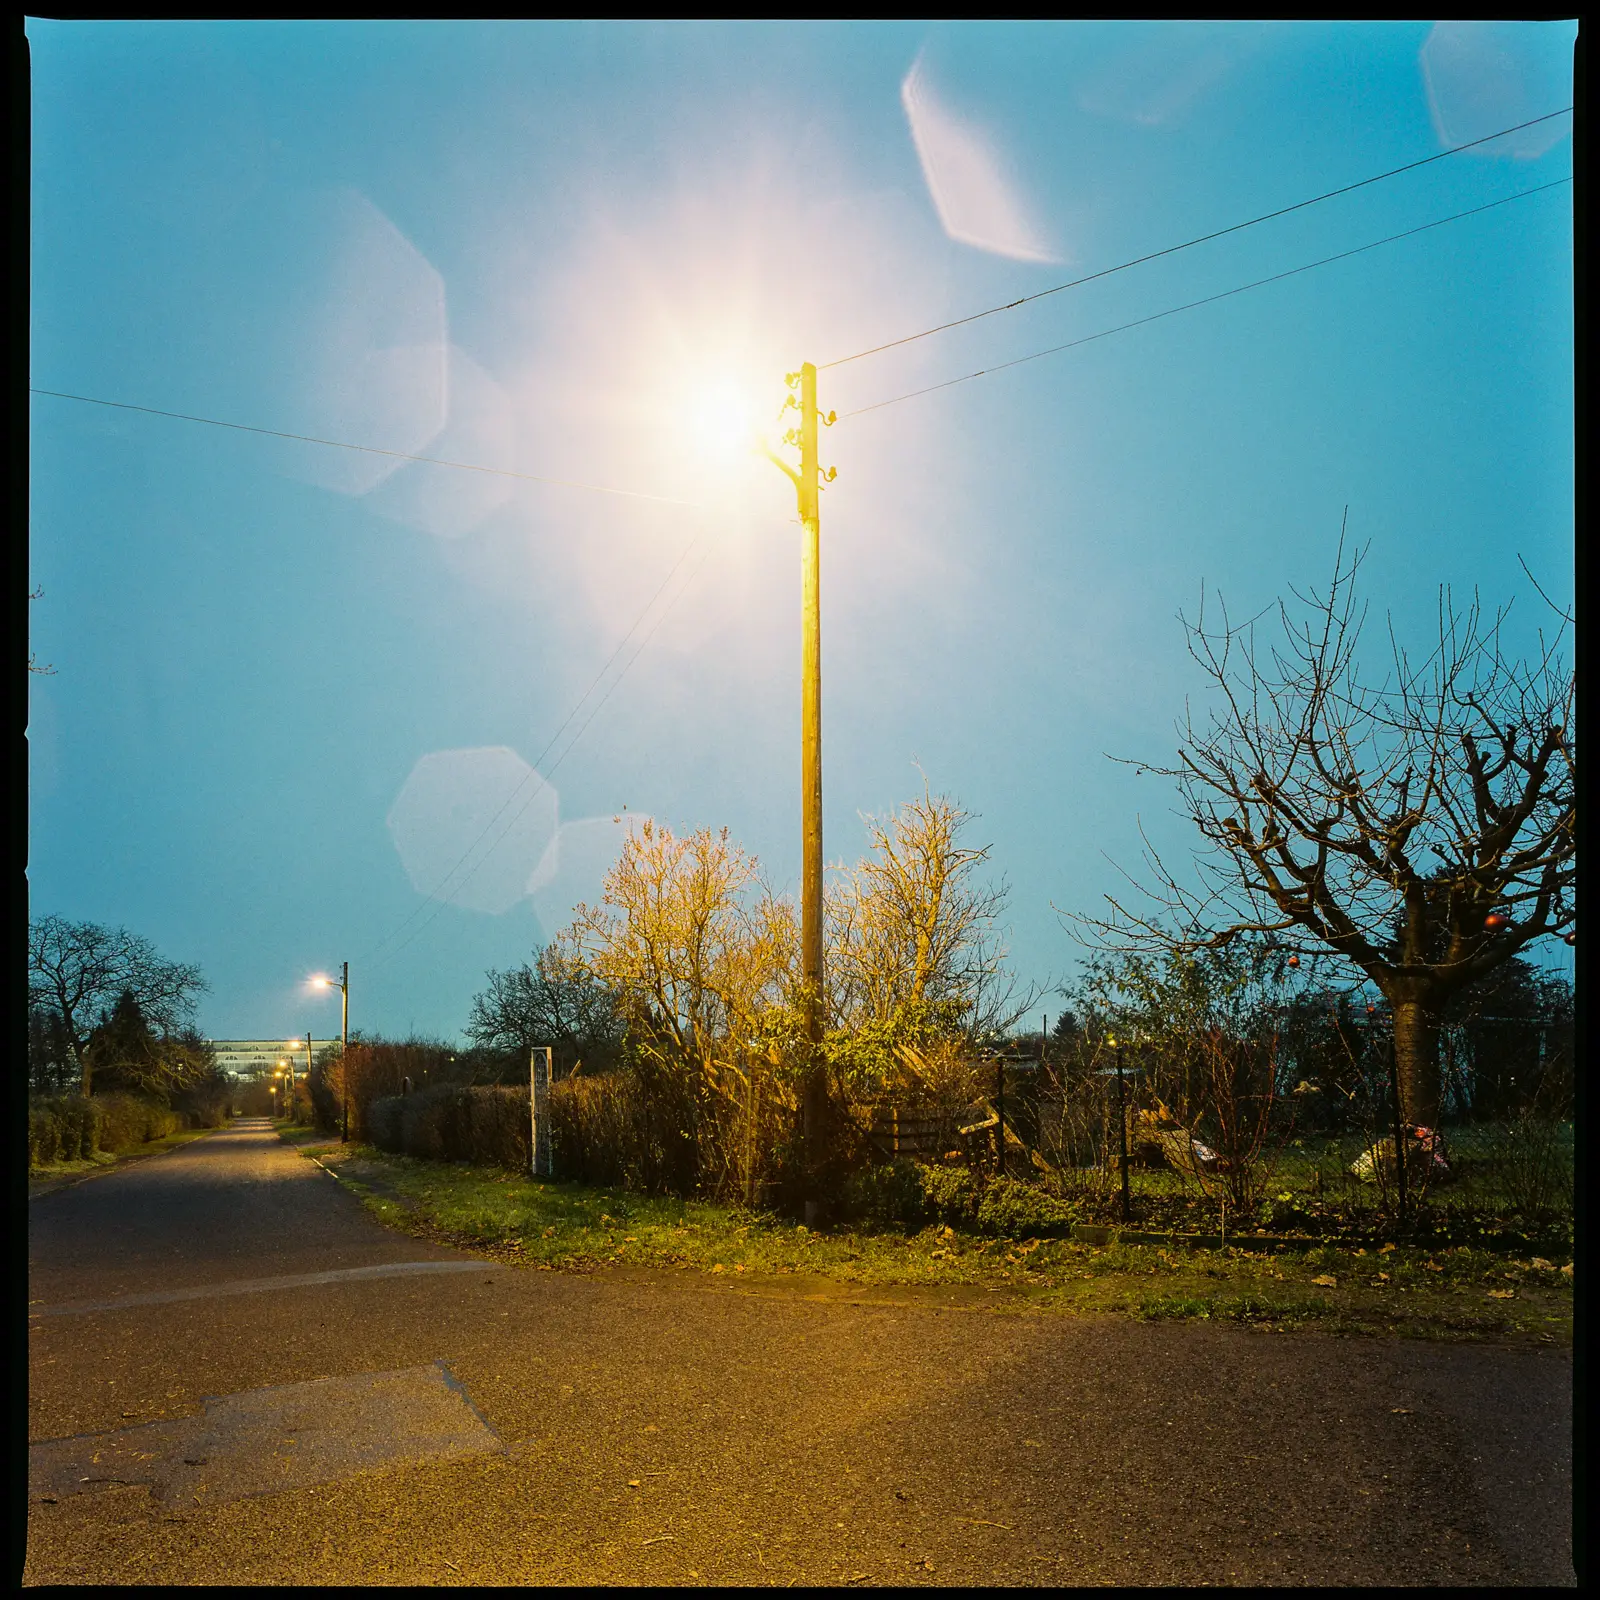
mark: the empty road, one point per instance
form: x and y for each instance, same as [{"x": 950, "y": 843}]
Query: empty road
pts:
[{"x": 237, "y": 1376}]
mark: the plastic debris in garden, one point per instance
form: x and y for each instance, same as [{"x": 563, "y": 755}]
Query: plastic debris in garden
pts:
[
  {"x": 1425, "y": 1156},
  {"x": 1186, "y": 1153},
  {"x": 1156, "y": 1138}
]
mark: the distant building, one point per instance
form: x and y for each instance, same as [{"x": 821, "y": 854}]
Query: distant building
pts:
[{"x": 251, "y": 1058}]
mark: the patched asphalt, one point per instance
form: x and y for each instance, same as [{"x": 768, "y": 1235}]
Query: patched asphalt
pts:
[{"x": 381, "y": 1410}]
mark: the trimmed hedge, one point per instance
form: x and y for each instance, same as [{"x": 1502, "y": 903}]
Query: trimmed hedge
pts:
[
  {"x": 612, "y": 1131},
  {"x": 455, "y": 1122},
  {"x": 127, "y": 1122},
  {"x": 603, "y": 1131},
  {"x": 70, "y": 1128}
]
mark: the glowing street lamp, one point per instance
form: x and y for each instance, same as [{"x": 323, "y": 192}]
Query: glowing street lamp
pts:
[{"x": 342, "y": 982}]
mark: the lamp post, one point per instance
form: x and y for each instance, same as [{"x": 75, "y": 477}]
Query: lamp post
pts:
[
  {"x": 342, "y": 982},
  {"x": 294, "y": 1044},
  {"x": 807, "y": 482}
]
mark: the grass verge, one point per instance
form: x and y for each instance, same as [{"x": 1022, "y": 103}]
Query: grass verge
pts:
[
  {"x": 1458, "y": 1293},
  {"x": 58, "y": 1174}
]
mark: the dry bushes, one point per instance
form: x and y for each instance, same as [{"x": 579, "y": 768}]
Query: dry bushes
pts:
[
  {"x": 619, "y": 1130},
  {"x": 615, "y": 1129},
  {"x": 486, "y": 1123}
]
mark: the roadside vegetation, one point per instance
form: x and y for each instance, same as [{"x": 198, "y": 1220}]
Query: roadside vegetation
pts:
[
  {"x": 115, "y": 1066},
  {"x": 1330, "y": 1041},
  {"x": 62, "y": 1169},
  {"x": 1452, "y": 1293},
  {"x": 1332, "y": 1036}
]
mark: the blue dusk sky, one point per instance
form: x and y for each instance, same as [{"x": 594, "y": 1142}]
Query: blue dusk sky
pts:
[{"x": 314, "y": 704}]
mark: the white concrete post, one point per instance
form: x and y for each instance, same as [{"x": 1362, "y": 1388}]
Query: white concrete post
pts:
[{"x": 539, "y": 1109}]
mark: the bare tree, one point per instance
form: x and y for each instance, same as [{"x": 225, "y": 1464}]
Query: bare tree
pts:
[
  {"x": 555, "y": 1002},
  {"x": 915, "y": 933},
  {"x": 1440, "y": 800},
  {"x": 77, "y": 971}
]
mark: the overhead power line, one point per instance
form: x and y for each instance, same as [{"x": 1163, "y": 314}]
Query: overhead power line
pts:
[
  {"x": 1210, "y": 299},
  {"x": 371, "y": 450},
  {"x": 445, "y": 888},
  {"x": 439, "y": 905},
  {"x": 1189, "y": 244}
]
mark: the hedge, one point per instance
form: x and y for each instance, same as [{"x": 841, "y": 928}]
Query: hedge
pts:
[
  {"x": 486, "y": 1123},
  {"x": 71, "y": 1128},
  {"x": 603, "y": 1130}
]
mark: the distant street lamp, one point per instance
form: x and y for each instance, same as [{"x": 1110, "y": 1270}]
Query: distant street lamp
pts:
[
  {"x": 294, "y": 1044},
  {"x": 342, "y": 982}
]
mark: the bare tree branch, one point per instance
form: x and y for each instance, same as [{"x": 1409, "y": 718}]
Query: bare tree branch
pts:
[{"x": 1421, "y": 827}]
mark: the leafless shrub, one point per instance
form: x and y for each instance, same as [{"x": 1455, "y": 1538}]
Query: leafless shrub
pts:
[{"x": 1532, "y": 1159}]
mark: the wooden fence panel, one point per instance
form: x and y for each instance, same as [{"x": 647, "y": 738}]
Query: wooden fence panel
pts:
[{"x": 897, "y": 1133}]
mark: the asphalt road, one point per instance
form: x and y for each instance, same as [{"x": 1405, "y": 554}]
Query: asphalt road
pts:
[{"x": 235, "y": 1375}]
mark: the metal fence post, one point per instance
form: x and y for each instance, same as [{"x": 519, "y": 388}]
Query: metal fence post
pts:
[
  {"x": 1400, "y": 1151},
  {"x": 1122, "y": 1137},
  {"x": 1000, "y": 1116}
]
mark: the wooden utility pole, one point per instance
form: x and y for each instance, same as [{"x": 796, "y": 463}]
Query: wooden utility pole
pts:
[
  {"x": 811, "y": 755},
  {"x": 807, "y": 483}
]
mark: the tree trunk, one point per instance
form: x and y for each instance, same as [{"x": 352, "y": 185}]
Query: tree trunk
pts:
[{"x": 1416, "y": 1050}]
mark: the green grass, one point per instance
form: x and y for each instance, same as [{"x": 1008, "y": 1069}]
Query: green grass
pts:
[
  {"x": 1476, "y": 1182},
  {"x": 51, "y": 1174},
  {"x": 1310, "y": 1191},
  {"x": 1459, "y": 1292}
]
